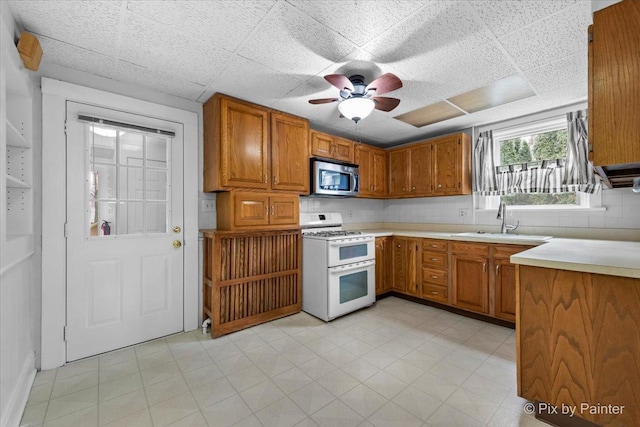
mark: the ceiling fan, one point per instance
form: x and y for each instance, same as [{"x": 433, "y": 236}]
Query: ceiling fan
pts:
[{"x": 357, "y": 99}]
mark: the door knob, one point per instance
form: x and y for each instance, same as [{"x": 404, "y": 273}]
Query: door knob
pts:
[
  {"x": 177, "y": 244},
  {"x": 177, "y": 229}
]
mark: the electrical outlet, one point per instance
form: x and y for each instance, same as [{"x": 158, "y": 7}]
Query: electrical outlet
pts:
[
  {"x": 208, "y": 205},
  {"x": 463, "y": 212},
  {"x": 350, "y": 214}
]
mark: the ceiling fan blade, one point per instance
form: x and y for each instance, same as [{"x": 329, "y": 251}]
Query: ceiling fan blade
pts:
[
  {"x": 385, "y": 83},
  {"x": 385, "y": 104},
  {"x": 339, "y": 81},
  {"x": 322, "y": 100}
]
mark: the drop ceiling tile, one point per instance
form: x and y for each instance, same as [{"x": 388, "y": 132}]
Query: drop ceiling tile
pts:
[
  {"x": 358, "y": 21},
  {"x": 559, "y": 74},
  {"x": 434, "y": 113},
  {"x": 75, "y": 57},
  {"x": 92, "y": 25},
  {"x": 558, "y": 36},
  {"x": 504, "y": 17},
  {"x": 500, "y": 92},
  {"x": 246, "y": 79},
  {"x": 224, "y": 24},
  {"x": 290, "y": 41},
  {"x": 157, "y": 47},
  {"x": 443, "y": 28},
  {"x": 165, "y": 83}
]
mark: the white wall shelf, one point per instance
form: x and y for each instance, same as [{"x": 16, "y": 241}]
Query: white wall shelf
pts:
[
  {"x": 15, "y": 138},
  {"x": 13, "y": 182}
]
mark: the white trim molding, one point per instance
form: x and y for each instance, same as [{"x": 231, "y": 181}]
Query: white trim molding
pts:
[{"x": 55, "y": 95}]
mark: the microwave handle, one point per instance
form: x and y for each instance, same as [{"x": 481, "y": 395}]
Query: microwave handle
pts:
[{"x": 356, "y": 182}]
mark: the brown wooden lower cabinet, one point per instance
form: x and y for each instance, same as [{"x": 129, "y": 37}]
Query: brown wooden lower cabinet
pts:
[
  {"x": 250, "y": 277},
  {"x": 405, "y": 278},
  {"x": 578, "y": 343},
  {"x": 504, "y": 279},
  {"x": 383, "y": 264},
  {"x": 470, "y": 276},
  {"x": 435, "y": 267}
]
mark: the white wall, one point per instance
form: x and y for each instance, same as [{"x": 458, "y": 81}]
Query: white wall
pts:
[{"x": 352, "y": 210}]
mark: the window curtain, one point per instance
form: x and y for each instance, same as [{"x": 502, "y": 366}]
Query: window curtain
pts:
[{"x": 573, "y": 173}]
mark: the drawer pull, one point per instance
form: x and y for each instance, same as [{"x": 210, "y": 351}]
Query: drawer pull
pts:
[
  {"x": 433, "y": 259},
  {"x": 433, "y": 276},
  {"x": 434, "y": 246},
  {"x": 434, "y": 292}
]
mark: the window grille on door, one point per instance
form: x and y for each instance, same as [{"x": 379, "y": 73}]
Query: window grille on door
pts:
[{"x": 128, "y": 179}]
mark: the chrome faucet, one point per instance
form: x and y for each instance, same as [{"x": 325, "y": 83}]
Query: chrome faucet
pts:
[{"x": 502, "y": 214}]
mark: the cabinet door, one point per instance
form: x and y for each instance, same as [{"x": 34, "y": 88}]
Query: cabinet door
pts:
[
  {"x": 321, "y": 145},
  {"x": 413, "y": 286},
  {"x": 398, "y": 172},
  {"x": 363, "y": 158},
  {"x": 400, "y": 266},
  {"x": 470, "y": 282},
  {"x": 343, "y": 149},
  {"x": 379, "y": 179},
  {"x": 244, "y": 144},
  {"x": 382, "y": 265},
  {"x": 447, "y": 165},
  {"x": 284, "y": 210},
  {"x": 250, "y": 209},
  {"x": 614, "y": 84},
  {"x": 505, "y": 298},
  {"x": 421, "y": 170},
  {"x": 289, "y": 153}
]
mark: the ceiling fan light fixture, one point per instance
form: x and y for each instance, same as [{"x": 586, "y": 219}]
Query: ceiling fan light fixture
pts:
[{"x": 356, "y": 108}]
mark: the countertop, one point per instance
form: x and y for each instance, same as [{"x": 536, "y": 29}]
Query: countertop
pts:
[{"x": 609, "y": 257}]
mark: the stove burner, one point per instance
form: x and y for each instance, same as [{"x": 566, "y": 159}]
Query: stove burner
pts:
[{"x": 338, "y": 233}]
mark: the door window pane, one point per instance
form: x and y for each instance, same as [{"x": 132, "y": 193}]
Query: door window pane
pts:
[
  {"x": 127, "y": 182},
  {"x": 353, "y": 286}
]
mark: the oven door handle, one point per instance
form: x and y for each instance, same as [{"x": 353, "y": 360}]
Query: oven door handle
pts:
[
  {"x": 355, "y": 266},
  {"x": 352, "y": 241}
]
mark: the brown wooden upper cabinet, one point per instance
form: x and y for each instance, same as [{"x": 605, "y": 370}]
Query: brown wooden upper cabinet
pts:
[
  {"x": 372, "y": 162},
  {"x": 252, "y": 147},
  {"x": 331, "y": 147},
  {"x": 614, "y": 92},
  {"x": 435, "y": 167},
  {"x": 243, "y": 210}
]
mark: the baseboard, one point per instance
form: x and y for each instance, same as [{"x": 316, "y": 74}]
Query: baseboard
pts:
[{"x": 18, "y": 399}]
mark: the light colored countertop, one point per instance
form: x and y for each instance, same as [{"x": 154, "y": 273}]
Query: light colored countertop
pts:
[{"x": 615, "y": 258}]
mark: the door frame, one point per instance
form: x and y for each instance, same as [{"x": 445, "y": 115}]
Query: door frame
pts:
[{"x": 55, "y": 95}]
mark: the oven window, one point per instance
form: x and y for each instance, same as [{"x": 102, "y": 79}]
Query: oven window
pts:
[
  {"x": 355, "y": 251},
  {"x": 353, "y": 286},
  {"x": 333, "y": 180}
]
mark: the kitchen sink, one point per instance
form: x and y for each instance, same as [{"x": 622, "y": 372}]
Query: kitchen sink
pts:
[{"x": 501, "y": 236}]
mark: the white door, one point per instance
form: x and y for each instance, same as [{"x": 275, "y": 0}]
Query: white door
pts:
[{"x": 124, "y": 229}]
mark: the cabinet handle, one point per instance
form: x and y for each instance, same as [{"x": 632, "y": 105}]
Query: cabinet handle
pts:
[
  {"x": 273, "y": 210},
  {"x": 275, "y": 179},
  {"x": 433, "y": 259},
  {"x": 413, "y": 188},
  {"x": 497, "y": 269},
  {"x": 264, "y": 178},
  {"x": 266, "y": 211},
  {"x": 439, "y": 185},
  {"x": 484, "y": 266},
  {"x": 433, "y": 246},
  {"x": 403, "y": 188},
  {"x": 398, "y": 245},
  {"x": 434, "y": 292},
  {"x": 433, "y": 276}
]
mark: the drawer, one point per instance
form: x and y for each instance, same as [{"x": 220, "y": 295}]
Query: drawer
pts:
[
  {"x": 470, "y": 248},
  {"x": 434, "y": 259},
  {"x": 505, "y": 251},
  {"x": 435, "y": 292},
  {"x": 438, "y": 277},
  {"x": 434, "y": 245}
]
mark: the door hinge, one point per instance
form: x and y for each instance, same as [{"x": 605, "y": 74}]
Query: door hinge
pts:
[
  {"x": 65, "y": 127},
  {"x": 65, "y": 230},
  {"x": 590, "y": 38},
  {"x": 64, "y": 333}
]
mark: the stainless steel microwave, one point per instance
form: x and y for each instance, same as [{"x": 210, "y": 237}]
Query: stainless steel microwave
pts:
[{"x": 334, "y": 179}]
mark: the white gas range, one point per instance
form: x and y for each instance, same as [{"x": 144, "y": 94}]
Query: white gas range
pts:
[{"x": 338, "y": 267}]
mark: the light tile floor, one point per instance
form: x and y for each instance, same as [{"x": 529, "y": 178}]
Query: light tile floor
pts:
[{"x": 396, "y": 363}]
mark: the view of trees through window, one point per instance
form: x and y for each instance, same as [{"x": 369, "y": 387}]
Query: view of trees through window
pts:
[{"x": 543, "y": 146}]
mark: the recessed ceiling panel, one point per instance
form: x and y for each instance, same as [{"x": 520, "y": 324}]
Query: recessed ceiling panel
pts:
[
  {"x": 433, "y": 113},
  {"x": 497, "y": 93}
]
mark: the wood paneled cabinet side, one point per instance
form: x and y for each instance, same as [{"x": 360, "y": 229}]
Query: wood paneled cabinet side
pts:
[
  {"x": 331, "y": 147},
  {"x": 614, "y": 84},
  {"x": 372, "y": 166},
  {"x": 470, "y": 276},
  {"x": 236, "y": 144},
  {"x": 578, "y": 342},
  {"x": 383, "y": 264},
  {"x": 405, "y": 260},
  {"x": 246, "y": 210},
  {"x": 289, "y": 153}
]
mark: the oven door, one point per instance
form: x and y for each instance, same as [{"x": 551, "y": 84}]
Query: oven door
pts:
[
  {"x": 351, "y": 249},
  {"x": 351, "y": 287}
]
